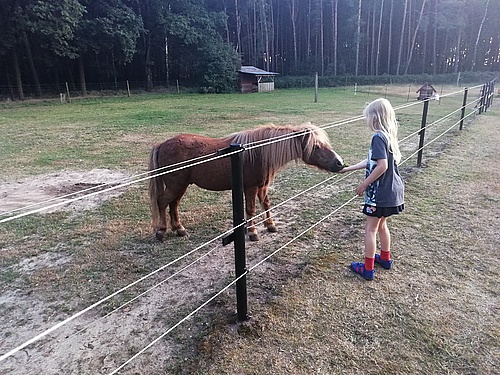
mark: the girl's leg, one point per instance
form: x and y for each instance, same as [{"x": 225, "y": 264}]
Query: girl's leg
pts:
[
  {"x": 385, "y": 237},
  {"x": 371, "y": 229},
  {"x": 366, "y": 269}
]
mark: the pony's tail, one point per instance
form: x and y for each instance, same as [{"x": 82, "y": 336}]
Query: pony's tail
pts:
[{"x": 155, "y": 187}]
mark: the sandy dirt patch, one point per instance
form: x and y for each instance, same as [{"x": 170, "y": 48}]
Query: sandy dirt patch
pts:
[{"x": 48, "y": 190}]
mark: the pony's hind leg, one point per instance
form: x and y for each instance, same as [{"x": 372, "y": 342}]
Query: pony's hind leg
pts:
[
  {"x": 265, "y": 204},
  {"x": 175, "y": 221},
  {"x": 171, "y": 199},
  {"x": 161, "y": 227}
]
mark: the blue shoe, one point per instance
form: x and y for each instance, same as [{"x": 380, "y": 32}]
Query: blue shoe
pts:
[
  {"x": 387, "y": 264},
  {"x": 359, "y": 268}
]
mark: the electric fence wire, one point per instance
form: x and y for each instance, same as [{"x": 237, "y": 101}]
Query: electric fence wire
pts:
[
  {"x": 107, "y": 298},
  {"x": 436, "y": 138},
  {"x": 115, "y": 187},
  {"x": 43, "y": 334},
  {"x": 144, "y": 349},
  {"x": 171, "y": 168},
  {"x": 265, "y": 259},
  {"x": 262, "y": 261}
]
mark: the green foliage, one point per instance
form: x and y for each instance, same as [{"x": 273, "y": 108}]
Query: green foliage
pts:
[
  {"x": 221, "y": 62},
  {"x": 55, "y": 22},
  {"x": 109, "y": 26}
]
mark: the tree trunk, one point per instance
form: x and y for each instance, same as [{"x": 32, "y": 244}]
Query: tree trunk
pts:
[
  {"x": 81, "y": 73},
  {"x": 265, "y": 26},
  {"x": 167, "y": 61},
  {"x": 321, "y": 38},
  {"x": 434, "y": 42},
  {"x": 457, "y": 51},
  {"x": 17, "y": 75},
  {"x": 410, "y": 27},
  {"x": 9, "y": 83},
  {"x": 358, "y": 39},
  {"x": 36, "y": 81},
  {"x": 377, "y": 62},
  {"x": 412, "y": 45},
  {"x": 424, "y": 47},
  {"x": 238, "y": 26},
  {"x": 254, "y": 33},
  {"x": 226, "y": 26},
  {"x": 147, "y": 64},
  {"x": 274, "y": 34},
  {"x": 308, "y": 45},
  {"x": 373, "y": 56},
  {"x": 389, "y": 42},
  {"x": 293, "y": 18},
  {"x": 402, "y": 38},
  {"x": 335, "y": 34},
  {"x": 474, "y": 56}
]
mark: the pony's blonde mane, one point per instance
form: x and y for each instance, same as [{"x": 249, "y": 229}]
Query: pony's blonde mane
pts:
[{"x": 275, "y": 146}]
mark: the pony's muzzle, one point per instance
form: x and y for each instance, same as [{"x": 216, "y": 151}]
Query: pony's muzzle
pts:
[{"x": 337, "y": 165}]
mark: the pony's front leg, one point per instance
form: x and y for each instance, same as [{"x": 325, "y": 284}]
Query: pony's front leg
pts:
[
  {"x": 250, "y": 195},
  {"x": 265, "y": 204}
]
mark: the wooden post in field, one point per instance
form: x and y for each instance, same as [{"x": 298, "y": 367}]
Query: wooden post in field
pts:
[
  {"x": 128, "y": 89},
  {"x": 316, "y": 88},
  {"x": 422, "y": 133},
  {"x": 67, "y": 92},
  {"x": 464, "y": 102}
]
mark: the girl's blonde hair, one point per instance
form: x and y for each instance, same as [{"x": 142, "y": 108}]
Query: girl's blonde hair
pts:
[{"x": 380, "y": 117}]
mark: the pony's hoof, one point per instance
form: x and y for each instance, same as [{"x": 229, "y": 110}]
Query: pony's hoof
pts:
[
  {"x": 272, "y": 228},
  {"x": 160, "y": 234},
  {"x": 253, "y": 237},
  {"x": 181, "y": 233}
]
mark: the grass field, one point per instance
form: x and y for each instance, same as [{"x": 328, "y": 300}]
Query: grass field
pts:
[{"x": 53, "y": 265}]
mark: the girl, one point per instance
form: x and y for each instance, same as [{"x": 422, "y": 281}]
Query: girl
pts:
[{"x": 383, "y": 187}]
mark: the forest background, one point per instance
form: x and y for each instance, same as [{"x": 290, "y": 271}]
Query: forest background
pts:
[{"x": 91, "y": 44}]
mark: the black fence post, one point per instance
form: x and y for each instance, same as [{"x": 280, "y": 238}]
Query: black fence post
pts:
[
  {"x": 483, "y": 96},
  {"x": 422, "y": 133},
  {"x": 464, "y": 103},
  {"x": 238, "y": 234},
  {"x": 491, "y": 93}
]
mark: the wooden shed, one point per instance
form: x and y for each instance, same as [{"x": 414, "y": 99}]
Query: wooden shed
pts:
[{"x": 253, "y": 79}]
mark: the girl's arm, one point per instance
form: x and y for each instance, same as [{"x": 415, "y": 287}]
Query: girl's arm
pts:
[
  {"x": 376, "y": 173},
  {"x": 360, "y": 165}
]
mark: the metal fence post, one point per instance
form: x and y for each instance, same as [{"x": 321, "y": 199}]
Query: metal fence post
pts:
[
  {"x": 483, "y": 96},
  {"x": 462, "y": 116},
  {"x": 238, "y": 234},
  {"x": 422, "y": 133}
]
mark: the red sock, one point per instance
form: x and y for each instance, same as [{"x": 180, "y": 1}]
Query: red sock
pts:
[
  {"x": 385, "y": 255},
  {"x": 369, "y": 263}
]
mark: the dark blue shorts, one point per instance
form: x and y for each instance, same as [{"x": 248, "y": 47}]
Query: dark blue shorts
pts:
[{"x": 382, "y": 211}]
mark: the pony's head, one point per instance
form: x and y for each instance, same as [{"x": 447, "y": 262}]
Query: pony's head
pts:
[
  {"x": 273, "y": 147},
  {"x": 317, "y": 150}
]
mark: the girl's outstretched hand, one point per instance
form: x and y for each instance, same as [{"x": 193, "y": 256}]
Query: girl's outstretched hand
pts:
[{"x": 360, "y": 190}]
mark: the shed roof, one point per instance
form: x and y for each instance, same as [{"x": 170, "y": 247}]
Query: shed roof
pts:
[{"x": 255, "y": 71}]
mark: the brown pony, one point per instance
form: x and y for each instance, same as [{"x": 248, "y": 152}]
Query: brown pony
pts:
[{"x": 268, "y": 148}]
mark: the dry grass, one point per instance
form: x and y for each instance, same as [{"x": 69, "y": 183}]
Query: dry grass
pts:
[
  {"x": 310, "y": 314},
  {"x": 436, "y": 312}
]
